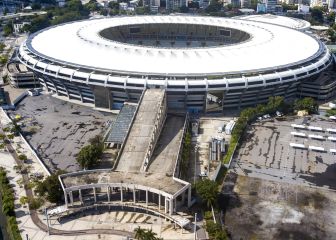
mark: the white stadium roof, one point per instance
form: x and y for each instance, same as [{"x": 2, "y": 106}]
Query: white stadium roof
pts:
[
  {"x": 79, "y": 44},
  {"x": 294, "y": 23}
]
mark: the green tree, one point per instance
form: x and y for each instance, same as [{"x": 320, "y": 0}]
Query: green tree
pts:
[
  {"x": 149, "y": 235},
  {"x": 92, "y": 6},
  {"x": 23, "y": 157},
  {"x": 51, "y": 188},
  {"x": 139, "y": 233},
  {"x": 113, "y": 5},
  {"x": 88, "y": 156},
  {"x": 8, "y": 29},
  {"x": 208, "y": 191},
  {"x": 184, "y": 9},
  {"x": 143, "y": 234},
  {"x": 307, "y": 103},
  {"x": 214, "y": 6},
  {"x": 317, "y": 13},
  {"x": 23, "y": 200},
  {"x": 2, "y": 47},
  {"x": 331, "y": 17},
  {"x": 36, "y": 6}
]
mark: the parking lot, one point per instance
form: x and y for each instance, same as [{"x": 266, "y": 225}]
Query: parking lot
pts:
[
  {"x": 57, "y": 130},
  {"x": 266, "y": 152}
]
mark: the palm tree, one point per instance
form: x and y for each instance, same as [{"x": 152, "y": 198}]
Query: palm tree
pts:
[
  {"x": 150, "y": 235},
  {"x": 139, "y": 233}
]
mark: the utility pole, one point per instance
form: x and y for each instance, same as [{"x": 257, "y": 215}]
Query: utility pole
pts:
[
  {"x": 195, "y": 227},
  {"x": 46, "y": 213}
]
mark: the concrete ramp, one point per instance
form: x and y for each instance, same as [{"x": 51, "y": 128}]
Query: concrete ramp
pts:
[{"x": 144, "y": 132}]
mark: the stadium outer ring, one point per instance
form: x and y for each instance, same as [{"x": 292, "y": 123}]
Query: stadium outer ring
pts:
[{"x": 90, "y": 79}]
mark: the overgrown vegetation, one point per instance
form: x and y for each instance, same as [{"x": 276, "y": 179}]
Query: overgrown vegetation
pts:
[
  {"x": 308, "y": 104},
  {"x": 214, "y": 230},
  {"x": 8, "y": 207},
  {"x": 50, "y": 188},
  {"x": 207, "y": 190},
  {"x": 186, "y": 148},
  {"x": 331, "y": 112},
  {"x": 248, "y": 115}
]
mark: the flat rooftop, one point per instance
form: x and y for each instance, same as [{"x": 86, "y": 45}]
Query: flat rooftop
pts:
[
  {"x": 141, "y": 131},
  {"x": 153, "y": 180}
]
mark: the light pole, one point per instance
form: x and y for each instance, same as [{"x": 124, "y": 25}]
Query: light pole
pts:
[{"x": 195, "y": 227}]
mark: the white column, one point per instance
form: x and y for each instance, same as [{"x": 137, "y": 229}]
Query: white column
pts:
[
  {"x": 108, "y": 194},
  {"x": 146, "y": 197},
  {"x": 121, "y": 194},
  {"x": 159, "y": 201},
  {"x": 94, "y": 194},
  {"x": 170, "y": 206},
  {"x": 165, "y": 204},
  {"x": 66, "y": 198},
  {"x": 71, "y": 198},
  {"x": 80, "y": 196},
  {"x": 189, "y": 196}
]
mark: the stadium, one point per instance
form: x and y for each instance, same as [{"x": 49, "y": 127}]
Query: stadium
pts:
[{"x": 204, "y": 64}]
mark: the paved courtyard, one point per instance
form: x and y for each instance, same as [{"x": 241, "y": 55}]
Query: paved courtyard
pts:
[
  {"x": 266, "y": 152},
  {"x": 57, "y": 130}
]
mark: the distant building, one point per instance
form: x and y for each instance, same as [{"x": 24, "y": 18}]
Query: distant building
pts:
[
  {"x": 245, "y": 3},
  {"x": 303, "y": 8},
  {"x": 154, "y": 9},
  {"x": 261, "y": 8},
  {"x": 247, "y": 11},
  {"x": 270, "y": 5},
  {"x": 20, "y": 76},
  {"x": 318, "y": 3},
  {"x": 331, "y": 4},
  {"x": 175, "y": 4}
]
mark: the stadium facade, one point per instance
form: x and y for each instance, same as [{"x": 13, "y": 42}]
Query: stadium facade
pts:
[{"x": 204, "y": 63}]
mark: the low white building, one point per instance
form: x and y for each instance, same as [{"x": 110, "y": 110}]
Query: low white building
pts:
[{"x": 303, "y": 8}]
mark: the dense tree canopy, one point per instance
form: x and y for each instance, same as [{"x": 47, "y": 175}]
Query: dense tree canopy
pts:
[
  {"x": 51, "y": 188},
  {"x": 307, "y": 103},
  {"x": 208, "y": 191},
  {"x": 89, "y": 155}
]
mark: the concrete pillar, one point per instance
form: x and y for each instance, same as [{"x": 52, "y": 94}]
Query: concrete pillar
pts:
[
  {"x": 108, "y": 194},
  {"x": 134, "y": 197},
  {"x": 165, "y": 201},
  {"x": 80, "y": 196},
  {"x": 66, "y": 198},
  {"x": 171, "y": 206},
  {"x": 189, "y": 196},
  {"x": 121, "y": 194},
  {"x": 159, "y": 201},
  {"x": 146, "y": 197},
  {"x": 71, "y": 198},
  {"x": 94, "y": 194}
]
